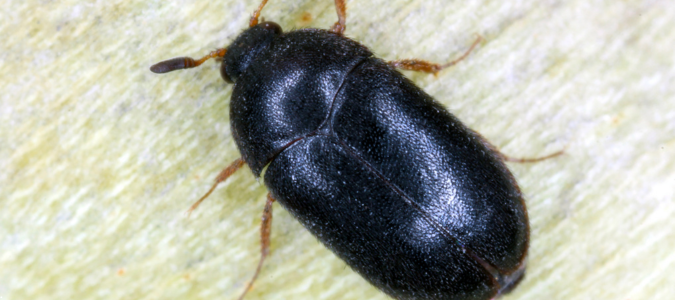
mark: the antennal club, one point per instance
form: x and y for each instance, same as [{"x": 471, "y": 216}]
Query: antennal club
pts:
[{"x": 180, "y": 63}]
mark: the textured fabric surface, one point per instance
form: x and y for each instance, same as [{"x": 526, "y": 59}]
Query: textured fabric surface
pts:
[{"x": 100, "y": 158}]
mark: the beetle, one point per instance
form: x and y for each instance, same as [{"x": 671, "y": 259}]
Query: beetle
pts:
[{"x": 414, "y": 201}]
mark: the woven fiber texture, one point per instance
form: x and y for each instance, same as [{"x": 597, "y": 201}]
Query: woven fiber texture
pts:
[{"x": 100, "y": 158}]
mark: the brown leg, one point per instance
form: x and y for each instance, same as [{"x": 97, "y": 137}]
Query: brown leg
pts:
[
  {"x": 224, "y": 174},
  {"x": 256, "y": 14},
  {"x": 180, "y": 63},
  {"x": 428, "y": 67},
  {"x": 339, "y": 26},
  {"x": 530, "y": 160},
  {"x": 265, "y": 230}
]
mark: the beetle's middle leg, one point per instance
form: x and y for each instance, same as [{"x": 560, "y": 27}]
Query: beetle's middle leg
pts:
[
  {"x": 429, "y": 67},
  {"x": 265, "y": 230},
  {"x": 224, "y": 175}
]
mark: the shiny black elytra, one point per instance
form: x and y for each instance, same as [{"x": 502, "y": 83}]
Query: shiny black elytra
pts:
[{"x": 417, "y": 203}]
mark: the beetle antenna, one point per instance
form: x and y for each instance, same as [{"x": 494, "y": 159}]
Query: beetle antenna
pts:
[
  {"x": 256, "y": 14},
  {"x": 184, "y": 62}
]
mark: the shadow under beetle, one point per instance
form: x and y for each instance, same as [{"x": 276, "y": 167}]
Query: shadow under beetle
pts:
[{"x": 417, "y": 203}]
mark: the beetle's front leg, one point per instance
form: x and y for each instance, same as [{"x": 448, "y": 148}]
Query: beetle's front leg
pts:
[{"x": 340, "y": 26}]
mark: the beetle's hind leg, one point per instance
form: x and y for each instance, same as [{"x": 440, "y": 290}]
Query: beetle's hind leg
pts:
[
  {"x": 224, "y": 175},
  {"x": 529, "y": 159},
  {"x": 507, "y": 158},
  {"x": 340, "y": 26},
  {"x": 265, "y": 230},
  {"x": 429, "y": 67}
]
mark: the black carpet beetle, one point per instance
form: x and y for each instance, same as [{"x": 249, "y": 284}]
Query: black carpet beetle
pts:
[{"x": 417, "y": 203}]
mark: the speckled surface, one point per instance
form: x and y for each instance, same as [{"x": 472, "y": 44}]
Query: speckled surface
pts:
[{"x": 100, "y": 158}]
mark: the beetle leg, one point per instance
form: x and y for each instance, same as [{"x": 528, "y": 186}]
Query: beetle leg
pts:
[
  {"x": 429, "y": 67},
  {"x": 529, "y": 160},
  {"x": 265, "y": 230},
  {"x": 184, "y": 62},
  {"x": 507, "y": 158},
  {"x": 340, "y": 26},
  {"x": 256, "y": 14},
  {"x": 224, "y": 174}
]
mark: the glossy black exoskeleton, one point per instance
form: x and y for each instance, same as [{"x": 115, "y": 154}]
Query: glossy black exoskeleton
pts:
[{"x": 417, "y": 203}]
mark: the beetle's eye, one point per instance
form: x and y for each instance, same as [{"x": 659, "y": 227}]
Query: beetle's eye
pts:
[
  {"x": 223, "y": 73},
  {"x": 274, "y": 27}
]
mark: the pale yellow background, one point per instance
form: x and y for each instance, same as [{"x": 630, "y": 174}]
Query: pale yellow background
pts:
[{"x": 99, "y": 158}]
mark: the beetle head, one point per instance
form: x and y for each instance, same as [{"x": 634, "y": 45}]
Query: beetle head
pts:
[{"x": 244, "y": 49}]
